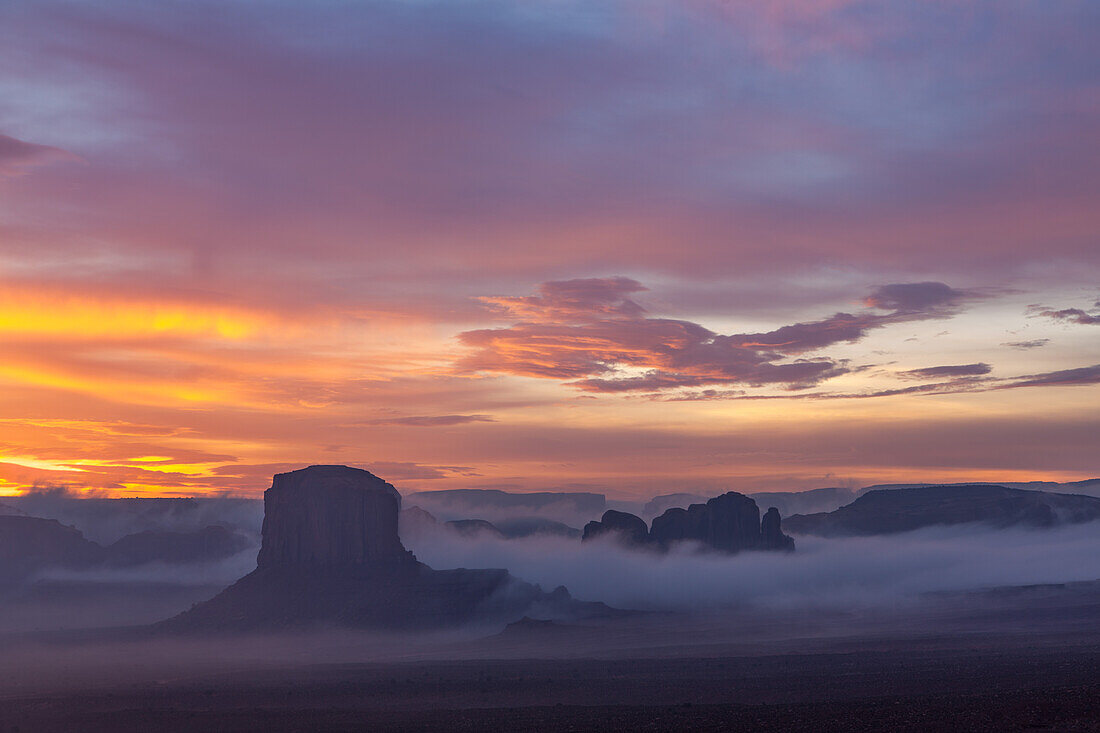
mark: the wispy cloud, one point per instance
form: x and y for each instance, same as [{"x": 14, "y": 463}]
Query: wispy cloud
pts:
[{"x": 589, "y": 331}]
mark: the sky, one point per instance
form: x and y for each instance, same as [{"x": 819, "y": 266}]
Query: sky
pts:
[{"x": 633, "y": 247}]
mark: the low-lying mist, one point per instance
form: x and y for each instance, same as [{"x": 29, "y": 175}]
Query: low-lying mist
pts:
[
  {"x": 822, "y": 572},
  {"x": 106, "y": 520}
]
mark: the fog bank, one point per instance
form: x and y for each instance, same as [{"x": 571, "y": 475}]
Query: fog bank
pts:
[{"x": 822, "y": 572}]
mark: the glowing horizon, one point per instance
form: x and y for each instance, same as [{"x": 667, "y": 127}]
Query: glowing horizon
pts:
[{"x": 589, "y": 246}]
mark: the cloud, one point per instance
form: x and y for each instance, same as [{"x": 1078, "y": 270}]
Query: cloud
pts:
[
  {"x": 430, "y": 421},
  {"x": 1062, "y": 377},
  {"x": 1025, "y": 345},
  {"x": 959, "y": 370},
  {"x": 821, "y": 572},
  {"x": 571, "y": 301},
  {"x": 590, "y": 331},
  {"x": 18, "y": 157},
  {"x": 389, "y": 470},
  {"x": 928, "y": 298},
  {"x": 1081, "y": 376},
  {"x": 405, "y": 470},
  {"x": 1069, "y": 315}
]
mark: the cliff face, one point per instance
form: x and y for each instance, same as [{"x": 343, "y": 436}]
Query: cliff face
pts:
[{"x": 330, "y": 515}]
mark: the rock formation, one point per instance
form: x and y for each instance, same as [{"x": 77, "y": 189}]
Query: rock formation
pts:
[
  {"x": 330, "y": 515},
  {"x": 771, "y": 532},
  {"x": 414, "y": 522},
  {"x": 804, "y": 502},
  {"x": 474, "y": 528},
  {"x": 625, "y": 528},
  {"x": 30, "y": 544},
  {"x": 531, "y": 526},
  {"x": 331, "y": 557},
  {"x": 730, "y": 523},
  {"x": 210, "y": 543},
  {"x": 886, "y": 511},
  {"x": 495, "y": 505}
]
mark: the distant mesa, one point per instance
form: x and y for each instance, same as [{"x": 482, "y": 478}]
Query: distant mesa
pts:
[
  {"x": 787, "y": 502},
  {"x": 205, "y": 545},
  {"x": 331, "y": 556},
  {"x": 415, "y": 523},
  {"x": 532, "y": 629},
  {"x": 729, "y": 523},
  {"x": 658, "y": 505},
  {"x": 494, "y": 504},
  {"x": 1086, "y": 487},
  {"x": 889, "y": 511},
  {"x": 474, "y": 528},
  {"x": 804, "y": 502},
  {"x": 31, "y": 545},
  {"x": 535, "y": 527}
]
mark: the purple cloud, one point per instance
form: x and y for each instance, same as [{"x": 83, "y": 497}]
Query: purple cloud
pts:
[
  {"x": 939, "y": 372},
  {"x": 924, "y": 297},
  {"x": 1025, "y": 345},
  {"x": 589, "y": 331},
  {"x": 1070, "y": 315},
  {"x": 18, "y": 157}
]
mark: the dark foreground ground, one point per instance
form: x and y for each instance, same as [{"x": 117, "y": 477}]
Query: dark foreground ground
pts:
[
  {"x": 1007, "y": 661},
  {"x": 943, "y": 690}
]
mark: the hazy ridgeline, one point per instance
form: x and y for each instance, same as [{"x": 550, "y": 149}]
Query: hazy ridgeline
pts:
[{"x": 841, "y": 572}]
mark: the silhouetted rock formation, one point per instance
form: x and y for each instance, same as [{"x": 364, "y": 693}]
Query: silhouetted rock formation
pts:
[
  {"x": 730, "y": 522},
  {"x": 625, "y": 528},
  {"x": 210, "y": 543},
  {"x": 330, "y": 515},
  {"x": 29, "y": 545},
  {"x": 415, "y": 522},
  {"x": 771, "y": 532},
  {"x": 530, "y": 526},
  {"x": 1086, "y": 487},
  {"x": 331, "y": 556},
  {"x": 474, "y": 528},
  {"x": 901, "y": 510}
]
